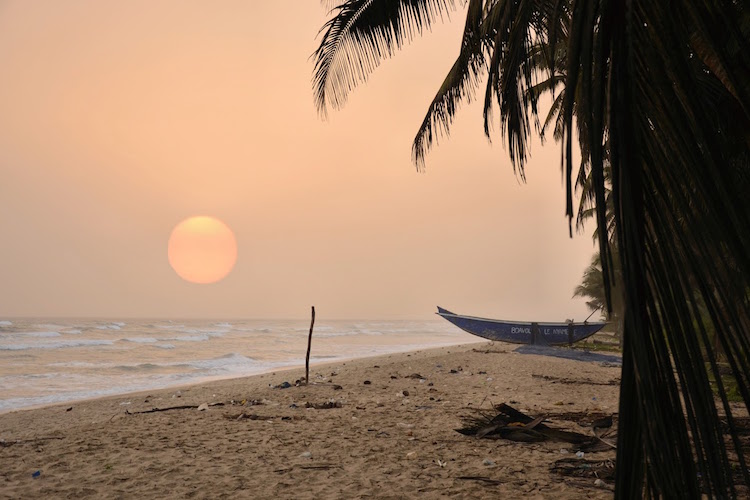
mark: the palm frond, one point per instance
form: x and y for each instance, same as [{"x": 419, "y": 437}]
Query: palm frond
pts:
[
  {"x": 459, "y": 84},
  {"x": 360, "y": 35},
  {"x": 517, "y": 30},
  {"x": 681, "y": 234},
  {"x": 330, "y": 4}
]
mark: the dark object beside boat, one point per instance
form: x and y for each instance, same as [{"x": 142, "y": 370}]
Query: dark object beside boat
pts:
[{"x": 518, "y": 332}]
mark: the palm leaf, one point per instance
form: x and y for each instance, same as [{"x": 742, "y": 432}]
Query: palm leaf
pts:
[
  {"x": 673, "y": 197},
  {"x": 360, "y": 35},
  {"x": 459, "y": 84}
]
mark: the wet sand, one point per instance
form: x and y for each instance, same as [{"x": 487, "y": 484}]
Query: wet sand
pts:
[{"x": 390, "y": 434}]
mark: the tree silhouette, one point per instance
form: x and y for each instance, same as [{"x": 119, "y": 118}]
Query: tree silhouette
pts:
[{"x": 661, "y": 91}]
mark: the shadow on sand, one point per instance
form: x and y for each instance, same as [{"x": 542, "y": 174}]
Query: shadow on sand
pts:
[{"x": 574, "y": 354}]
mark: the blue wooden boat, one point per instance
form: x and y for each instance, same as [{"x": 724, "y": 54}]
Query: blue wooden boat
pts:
[{"x": 518, "y": 332}]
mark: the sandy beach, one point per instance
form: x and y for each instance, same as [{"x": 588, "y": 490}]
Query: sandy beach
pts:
[{"x": 390, "y": 433}]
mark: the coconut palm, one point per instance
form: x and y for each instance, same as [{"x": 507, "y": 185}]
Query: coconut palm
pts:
[
  {"x": 592, "y": 288},
  {"x": 662, "y": 92}
]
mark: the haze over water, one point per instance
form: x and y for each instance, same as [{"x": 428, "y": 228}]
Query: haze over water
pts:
[{"x": 121, "y": 119}]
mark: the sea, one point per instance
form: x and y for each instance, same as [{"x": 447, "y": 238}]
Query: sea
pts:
[{"x": 46, "y": 361}]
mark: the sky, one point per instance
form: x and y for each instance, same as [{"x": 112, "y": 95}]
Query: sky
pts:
[{"x": 118, "y": 120}]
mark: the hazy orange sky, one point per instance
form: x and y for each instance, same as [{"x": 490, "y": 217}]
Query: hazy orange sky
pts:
[{"x": 120, "y": 119}]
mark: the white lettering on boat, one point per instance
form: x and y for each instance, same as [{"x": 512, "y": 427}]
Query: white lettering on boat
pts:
[
  {"x": 546, "y": 331},
  {"x": 518, "y": 329},
  {"x": 555, "y": 331}
]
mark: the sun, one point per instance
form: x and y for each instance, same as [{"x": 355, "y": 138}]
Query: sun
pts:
[{"x": 202, "y": 249}]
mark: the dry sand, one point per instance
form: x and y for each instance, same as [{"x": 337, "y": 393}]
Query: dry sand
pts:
[{"x": 393, "y": 437}]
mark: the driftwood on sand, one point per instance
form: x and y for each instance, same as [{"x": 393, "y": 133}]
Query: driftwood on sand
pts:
[
  {"x": 170, "y": 408},
  {"x": 514, "y": 425}
]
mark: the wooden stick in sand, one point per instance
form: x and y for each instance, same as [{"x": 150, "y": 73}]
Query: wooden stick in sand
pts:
[{"x": 309, "y": 343}]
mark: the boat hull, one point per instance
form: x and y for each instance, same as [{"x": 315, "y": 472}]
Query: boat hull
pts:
[{"x": 523, "y": 332}]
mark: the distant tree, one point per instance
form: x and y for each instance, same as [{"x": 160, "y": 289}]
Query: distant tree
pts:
[
  {"x": 592, "y": 288},
  {"x": 593, "y": 284},
  {"x": 661, "y": 91}
]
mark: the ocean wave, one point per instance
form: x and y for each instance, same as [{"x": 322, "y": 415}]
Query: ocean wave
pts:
[
  {"x": 227, "y": 362},
  {"x": 140, "y": 340},
  {"x": 79, "y": 364},
  {"x": 170, "y": 326},
  {"x": 71, "y": 395},
  {"x": 255, "y": 329},
  {"x": 259, "y": 330},
  {"x": 111, "y": 326},
  {"x": 211, "y": 331},
  {"x": 188, "y": 338},
  {"x": 344, "y": 334},
  {"x": 21, "y": 335},
  {"x": 15, "y": 380},
  {"x": 150, "y": 366},
  {"x": 54, "y": 345}
]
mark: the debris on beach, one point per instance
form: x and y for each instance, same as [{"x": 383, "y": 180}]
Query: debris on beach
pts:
[
  {"x": 490, "y": 351},
  {"x": 202, "y": 407},
  {"x": 248, "y": 402},
  {"x": 572, "y": 381},
  {"x": 283, "y": 385},
  {"x": 327, "y": 405},
  {"x": 576, "y": 467},
  {"x": 601, "y": 484},
  {"x": 514, "y": 425},
  {"x": 596, "y": 420},
  {"x": 486, "y": 480},
  {"x": 245, "y": 416},
  {"x": 267, "y": 418},
  {"x": 602, "y": 423}
]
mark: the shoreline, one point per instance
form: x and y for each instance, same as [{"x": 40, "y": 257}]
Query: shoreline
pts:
[
  {"x": 215, "y": 378},
  {"x": 389, "y": 433}
]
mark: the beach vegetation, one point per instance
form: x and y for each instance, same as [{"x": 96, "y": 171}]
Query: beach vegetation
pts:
[{"x": 592, "y": 288}]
